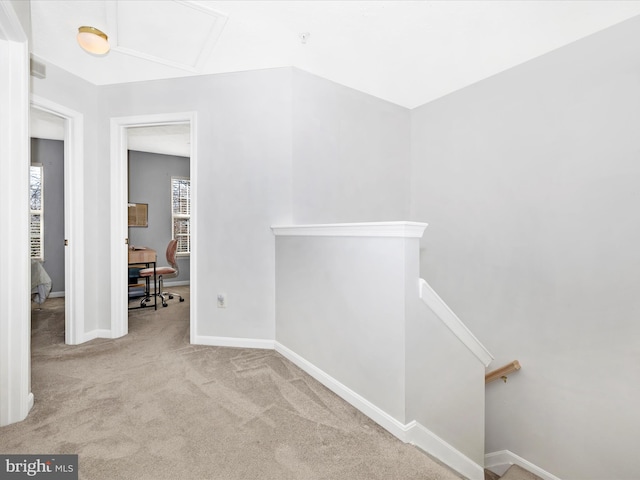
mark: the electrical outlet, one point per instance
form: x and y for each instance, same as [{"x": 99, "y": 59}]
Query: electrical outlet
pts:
[{"x": 222, "y": 300}]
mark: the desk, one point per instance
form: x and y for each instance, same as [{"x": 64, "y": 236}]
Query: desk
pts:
[{"x": 146, "y": 257}]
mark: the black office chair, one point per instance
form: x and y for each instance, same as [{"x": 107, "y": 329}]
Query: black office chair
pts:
[{"x": 171, "y": 271}]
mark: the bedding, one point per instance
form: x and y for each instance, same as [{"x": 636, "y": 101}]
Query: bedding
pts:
[{"x": 40, "y": 282}]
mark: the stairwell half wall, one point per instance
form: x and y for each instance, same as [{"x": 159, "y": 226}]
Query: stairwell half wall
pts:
[{"x": 348, "y": 311}]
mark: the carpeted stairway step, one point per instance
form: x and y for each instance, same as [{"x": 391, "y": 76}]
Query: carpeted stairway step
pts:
[
  {"x": 489, "y": 475},
  {"x": 514, "y": 472}
]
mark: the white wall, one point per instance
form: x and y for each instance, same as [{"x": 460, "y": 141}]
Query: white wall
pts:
[
  {"x": 341, "y": 306},
  {"x": 529, "y": 182},
  {"x": 445, "y": 384},
  {"x": 76, "y": 94},
  {"x": 15, "y": 333},
  {"x": 22, "y": 9},
  {"x": 348, "y": 311},
  {"x": 249, "y": 152},
  {"x": 350, "y": 154},
  {"x": 244, "y": 152},
  {"x": 245, "y": 168}
]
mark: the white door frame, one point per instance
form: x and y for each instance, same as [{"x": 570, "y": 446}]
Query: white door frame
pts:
[
  {"x": 119, "y": 234},
  {"x": 16, "y": 398},
  {"x": 74, "y": 327}
]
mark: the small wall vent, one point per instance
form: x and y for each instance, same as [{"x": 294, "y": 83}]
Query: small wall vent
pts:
[{"x": 38, "y": 70}]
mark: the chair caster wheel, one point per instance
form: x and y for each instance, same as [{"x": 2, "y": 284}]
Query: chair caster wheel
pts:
[
  {"x": 165, "y": 304},
  {"x": 182, "y": 299},
  {"x": 170, "y": 297},
  {"x": 143, "y": 305}
]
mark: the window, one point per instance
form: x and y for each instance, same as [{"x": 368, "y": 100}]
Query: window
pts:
[
  {"x": 181, "y": 213},
  {"x": 36, "y": 211}
]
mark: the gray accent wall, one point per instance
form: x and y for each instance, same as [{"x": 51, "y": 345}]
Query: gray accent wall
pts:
[
  {"x": 529, "y": 181},
  {"x": 50, "y": 153},
  {"x": 150, "y": 182}
]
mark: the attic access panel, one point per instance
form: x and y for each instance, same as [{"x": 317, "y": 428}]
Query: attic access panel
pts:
[{"x": 174, "y": 33}]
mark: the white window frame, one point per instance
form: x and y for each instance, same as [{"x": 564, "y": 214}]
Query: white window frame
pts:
[
  {"x": 39, "y": 212},
  {"x": 181, "y": 216}
]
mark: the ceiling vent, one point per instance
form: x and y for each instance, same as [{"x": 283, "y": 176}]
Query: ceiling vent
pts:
[{"x": 38, "y": 70}]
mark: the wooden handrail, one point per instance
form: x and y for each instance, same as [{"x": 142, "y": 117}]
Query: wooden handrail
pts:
[{"x": 502, "y": 372}]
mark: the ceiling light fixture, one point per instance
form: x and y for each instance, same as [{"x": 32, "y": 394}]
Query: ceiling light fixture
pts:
[{"x": 93, "y": 40}]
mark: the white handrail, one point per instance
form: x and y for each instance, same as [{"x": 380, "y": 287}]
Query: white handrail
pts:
[{"x": 451, "y": 320}]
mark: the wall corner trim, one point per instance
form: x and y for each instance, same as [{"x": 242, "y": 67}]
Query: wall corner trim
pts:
[
  {"x": 451, "y": 320},
  {"x": 499, "y": 462},
  {"x": 401, "y": 229}
]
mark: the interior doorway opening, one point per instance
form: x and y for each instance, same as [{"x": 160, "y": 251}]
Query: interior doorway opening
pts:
[
  {"x": 64, "y": 241},
  {"x": 123, "y": 132},
  {"x": 46, "y": 179},
  {"x": 159, "y": 206}
]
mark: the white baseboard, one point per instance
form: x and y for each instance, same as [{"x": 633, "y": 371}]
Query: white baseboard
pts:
[
  {"x": 98, "y": 333},
  {"x": 233, "y": 342},
  {"x": 56, "y": 294},
  {"x": 428, "y": 441},
  {"x": 413, "y": 432},
  {"x": 30, "y": 401},
  {"x": 499, "y": 462},
  {"x": 378, "y": 415}
]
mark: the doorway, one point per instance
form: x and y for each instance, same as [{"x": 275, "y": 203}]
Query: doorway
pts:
[
  {"x": 46, "y": 181},
  {"x": 120, "y": 128},
  {"x": 159, "y": 201},
  {"x": 72, "y": 136}
]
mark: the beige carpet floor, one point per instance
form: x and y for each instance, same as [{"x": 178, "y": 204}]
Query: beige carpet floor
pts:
[{"x": 152, "y": 406}]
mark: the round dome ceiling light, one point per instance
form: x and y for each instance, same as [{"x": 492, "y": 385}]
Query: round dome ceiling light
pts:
[{"x": 93, "y": 40}]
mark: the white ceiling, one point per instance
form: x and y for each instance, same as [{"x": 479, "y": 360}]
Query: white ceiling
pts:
[
  {"x": 166, "y": 139},
  {"x": 406, "y": 52}
]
